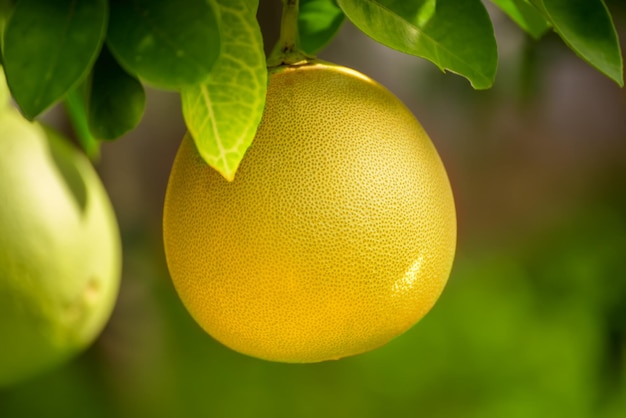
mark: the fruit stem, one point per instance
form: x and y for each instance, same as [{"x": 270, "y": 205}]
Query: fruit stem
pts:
[
  {"x": 287, "y": 51},
  {"x": 289, "y": 36}
]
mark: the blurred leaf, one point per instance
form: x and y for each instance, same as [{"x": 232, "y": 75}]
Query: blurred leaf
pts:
[
  {"x": 318, "y": 23},
  {"x": 222, "y": 114},
  {"x": 49, "y": 47},
  {"x": 169, "y": 44},
  {"x": 116, "y": 99},
  {"x": 587, "y": 28},
  {"x": 455, "y": 36},
  {"x": 525, "y": 15}
]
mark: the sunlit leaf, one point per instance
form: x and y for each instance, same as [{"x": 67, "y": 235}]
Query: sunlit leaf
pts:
[
  {"x": 587, "y": 28},
  {"x": 525, "y": 15},
  {"x": 318, "y": 23},
  {"x": 169, "y": 44},
  {"x": 222, "y": 114},
  {"x": 49, "y": 47},
  {"x": 455, "y": 35},
  {"x": 116, "y": 99}
]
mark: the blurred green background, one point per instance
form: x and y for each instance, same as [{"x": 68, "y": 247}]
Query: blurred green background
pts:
[{"x": 531, "y": 324}]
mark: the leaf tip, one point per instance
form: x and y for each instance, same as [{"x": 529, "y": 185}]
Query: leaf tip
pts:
[{"x": 229, "y": 175}]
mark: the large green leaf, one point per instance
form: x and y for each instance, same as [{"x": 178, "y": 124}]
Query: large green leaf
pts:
[
  {"x": 525, "y": 15},
  {"x": 587, "y": 28},
  {"x": 318, "y": 22},
  {"x": 222, "y": 114},
  {"x": 49, "y": 47},
  {"x": 116, "y": 99},
  {"x": 456, "y": 35},
  {"x": 169, "y": 44}
]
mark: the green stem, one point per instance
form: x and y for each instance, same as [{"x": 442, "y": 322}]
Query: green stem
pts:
[
  {"x": 75, "y": 107},
  {"x": 289, "y": 26},
  {"x": 287, "y": 51},
  {"x": 5, "y": 94},
  {"x": 6, "y": 7}
]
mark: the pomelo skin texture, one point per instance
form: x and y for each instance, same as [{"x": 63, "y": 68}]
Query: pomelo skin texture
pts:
[
  {"x": 337, "y": 234},
  {"x": 60, "y": 252}
]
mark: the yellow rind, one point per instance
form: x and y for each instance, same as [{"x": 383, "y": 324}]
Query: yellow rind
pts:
[{"x": 337, "y": 234}]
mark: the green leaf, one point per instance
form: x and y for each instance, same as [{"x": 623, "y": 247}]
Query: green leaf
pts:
[
  {"x": 169, "y": 44},
  {"x": 587, "y": 28},
  {"x": 49, "y": 47},
  {"x": 525, "y": 15},
  {"x": 223, "y": 114},
  {"x": 455, "y": 35},
  {"x": 76, "y": 107},
  {"x": 116, "y": 99},
  {"x": 318, "y": 23}
]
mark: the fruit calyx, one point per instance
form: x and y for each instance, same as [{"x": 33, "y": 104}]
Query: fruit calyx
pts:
[{"x": 303, "y": 62}]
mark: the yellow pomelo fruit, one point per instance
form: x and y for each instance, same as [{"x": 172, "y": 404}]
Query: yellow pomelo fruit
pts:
[
  {"x": 60, "y": 256},
  {"x": 337, "y": 234}
]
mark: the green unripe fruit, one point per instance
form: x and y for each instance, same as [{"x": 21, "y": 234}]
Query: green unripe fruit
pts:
[{"x": 60, "y": 252}]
